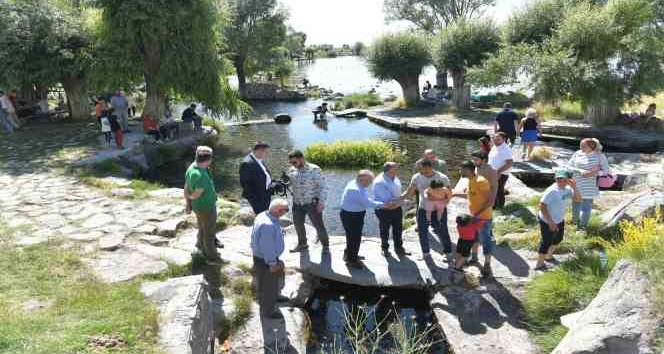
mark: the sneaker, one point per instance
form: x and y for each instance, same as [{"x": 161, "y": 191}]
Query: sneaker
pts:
[
  {"x": 215, "y": 262},
  {"x": 326, "y": 249},
  {"x": 402, "y": 252},
  {"x": 542, "y": 268},
  {"x": 299, "y": 248},
  {"x": 486, "y": 270},
  {"x": 386, "y": 252},
  {"x": 355, "y": 265},
  {"x": 474, "y": 258}
]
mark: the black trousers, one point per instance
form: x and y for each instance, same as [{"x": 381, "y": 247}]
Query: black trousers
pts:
[
  {"x": 260, "y": 204},
  {"x": 268, "y": 286},
  {"x": 353, "y": 223},
  {"x": 390, "y": 219},
  {"x": 500, "y": 193}
]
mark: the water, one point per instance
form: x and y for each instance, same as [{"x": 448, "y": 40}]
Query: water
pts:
[
  {"x": 346, "y": 74},
  {"x": 335, "y": 306}
]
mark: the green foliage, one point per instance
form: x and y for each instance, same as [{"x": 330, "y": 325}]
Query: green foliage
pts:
[
  {"x": 295, "y": 42},
  {"x": 466, "y": 44},
  {"x": 82, "y": 305},
  {"x": 561, "y": 110},
  {"x": 351, "y": 154},
  {"x": 106, "y": 167},
  {"x": 142, "y": 188},
  {"x": 395, "y": 56},
  {"x": 358, "y": 48},
  {"x": 433, "y": 15},
  {"x": 358, "y": 100},
  {"x": 536, "y": 22},
  {"x": 214, "y": 123}
]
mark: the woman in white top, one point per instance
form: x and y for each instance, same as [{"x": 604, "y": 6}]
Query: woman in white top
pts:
[{"x": 587, "y": 164}]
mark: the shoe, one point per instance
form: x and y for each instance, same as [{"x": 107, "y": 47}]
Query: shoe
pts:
[
  {"x": 218, "y": 243},
  {"x": 276, "y": 315},
  {"x": 299, "y": 248},
  {"x": 282, "y": 298},
  {"x": 402, "y": 252},
  {"x": 386, "y": 252},
  {"x": 215, "y": 262},
  {"x": 355, "y": 265},
  {"x": 426, "y": 255},
  {"x": 542, "y": 268},
  {"x": 552, "y": 260},
  {"x": 474, "y": 258},
  {"x": 486, "y": 271},
  {"x": 326, "y": 249},
  {"x": 361, "y": 258},
  {"x": 215, "y": 293}
]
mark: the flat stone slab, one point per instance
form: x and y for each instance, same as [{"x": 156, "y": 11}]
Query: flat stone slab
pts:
[
  {"x": 167, "y": 254},
  {"x": 122, "y": 192},
  {"x": 167, "y": 193},
  {"x": 97, "y": 221},
  {"x": 123, "y": 265},
  {"x": 86, "y": 237},
  {"x": 111, "y": 242},
  {"x": 169, "y": 227},
  {"x": 186, "y": 324}
]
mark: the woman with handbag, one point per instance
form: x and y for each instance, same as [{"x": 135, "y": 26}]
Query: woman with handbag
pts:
[{"x": 588, "y": 165}]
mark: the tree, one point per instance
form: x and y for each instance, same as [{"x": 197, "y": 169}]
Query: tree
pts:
[
  {"x": 462, "y": 46},
  {"x": 173, "y": 45},
  {"x": 43, "y": 45},
  {"x": 295, "y": 42},
  {"x": 601, "y": 55},
  {"x": 400, "y": 57},
  {"x": 255, "y": 27},
  {"x": 358, "y": 48}
]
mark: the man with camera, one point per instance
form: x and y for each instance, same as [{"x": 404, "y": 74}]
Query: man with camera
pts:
[
  {"x": 309, "y": 194},
  {"x": 256, "y": 179}
]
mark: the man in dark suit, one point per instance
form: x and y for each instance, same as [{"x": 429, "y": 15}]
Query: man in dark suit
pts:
[{"x": 255, "y": 178}]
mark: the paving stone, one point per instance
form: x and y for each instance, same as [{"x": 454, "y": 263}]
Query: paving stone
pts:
[
  {"x": 97, "y": 221},
  {"x": 123, "y": 265},
  {"x": 122, "y": 192},
  {"x": 169, "y": 228},
  {"x": 155, "y": 240},
  {"x": 111, "y": 242},
  {"x": 84, "y": 237},
  {"x": 170, "y": 255},
  {"x": 144, "y": 229}
]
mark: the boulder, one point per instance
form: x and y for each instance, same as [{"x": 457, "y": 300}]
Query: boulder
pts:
[
  {"x": 619, "y": 320},
  {"x": 282, "y": 118},
  {"x": 633, "y": 209},
  {"x": 186, "y": 324},
  {"x": 267, "y": 335},
  {"x": 246, "y": 216},
  {"x": 298, "y": 288},
  {"x": 170, "y": 227},
  {"x": 155, "y": 240},
  {"x": 519, "y": 191}
]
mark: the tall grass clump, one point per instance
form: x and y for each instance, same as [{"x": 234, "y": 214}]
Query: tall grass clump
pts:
[
  {"x": 352, "y": 154},
  {"x": 215, "y": 124},
  {"x": 562, "y": 110},
  {"x": 358, "y": 100}
]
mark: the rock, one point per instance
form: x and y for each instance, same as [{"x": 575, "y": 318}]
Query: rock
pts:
[
  {"x": 32, "y": 305},
  {"x": 633, "y": 209},
  {"x": 170, "y": 227},
  {"x": 85, "y": 237},
  {"x": 519, "y": 191},
  {"x": 272, "y": 92},
  {"x": 170, "y": 255},
  {"x": 186, "y": 324},
  {"x": 166, "y": 193},
  {"x": 570, "y": 320},
  {"x": 619, "y": 320},
  {"x": 122, "y": 192},
  {"x": 246, "y": 216},
  {"x": 298, "y": 288},
  {"x": 123, "y": 265},
  {"x": 155, "y": 240},
  {"x": 111, "y": 242},
  {"x": 285, "y": 221},
  {"x": 282, "y": 118},
  {"x": 268, "y": 335},
  {"x": 120, "y": 182},
  {"x": 97, "y": 221},
  {"x": 144, "y": 229}
]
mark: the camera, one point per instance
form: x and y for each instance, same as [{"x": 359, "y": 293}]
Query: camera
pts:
[{"x": 281, "y": 186}]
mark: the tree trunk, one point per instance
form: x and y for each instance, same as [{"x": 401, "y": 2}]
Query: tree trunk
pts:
[
  {"x": 601, "y": 114},
  {"x": 441, "y": 78},
  {"x": 241, "y": 77},
  {"x": 461, "y": 93},
  {"x": 411, "y": 89},
  {"x": 155, "y": 98},
  {"x": 77, "y": 101}
]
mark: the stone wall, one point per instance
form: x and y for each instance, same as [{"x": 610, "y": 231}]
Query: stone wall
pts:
[{"x": 272, "y": 92}]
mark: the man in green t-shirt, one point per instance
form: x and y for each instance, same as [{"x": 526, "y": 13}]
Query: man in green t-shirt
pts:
[{"x": 201, "y": 197}]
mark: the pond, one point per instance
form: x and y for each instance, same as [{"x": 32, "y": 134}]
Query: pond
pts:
[{"x": 346, "y": 74}]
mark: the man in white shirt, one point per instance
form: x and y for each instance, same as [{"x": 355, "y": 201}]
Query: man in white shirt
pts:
[
  {"x": 255, "y": 178},
  {"x": 501, "y": 160}
]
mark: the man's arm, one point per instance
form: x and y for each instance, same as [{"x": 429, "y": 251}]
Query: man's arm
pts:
[
  {"x": 508, "y": 164},
  {"x": 410, "y": 191},
  {"x": 547, "y": 217},
  {"x": 246, "y": 179},
  {"x": 186, "y": 199},
  {"x": 488, "y": 203}
]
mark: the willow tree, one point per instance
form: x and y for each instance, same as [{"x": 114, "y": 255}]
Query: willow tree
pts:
[
  {"x": 602, "y": 56},
  {"x": 462, "y": 46},
  {"x": 41, "y": 45},
  {"x": 400, "y": 57},
  {"x": 173, "y": 45}
]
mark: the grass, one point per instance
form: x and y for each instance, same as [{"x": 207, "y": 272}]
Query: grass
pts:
[
  {"x": 242, "y": 295},
  {"x": 105, "y": 168},
  {"x": 226, "y": 216},
  {"x": 658, "y": 99},
  {"x": 358, "y": 100},
  {"x": 352, "y": 154},
  {"x": 142, "y": 188},
  {"x": 82, "y": 306},
  {"x": 215, "y": 124},
  {"x": 563, "y": 110}
]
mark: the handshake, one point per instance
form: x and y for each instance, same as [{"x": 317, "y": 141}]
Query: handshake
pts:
[{"x": 393, "y": 205}]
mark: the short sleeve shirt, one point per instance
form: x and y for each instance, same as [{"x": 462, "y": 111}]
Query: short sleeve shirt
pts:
[
  {"x": 499, "y": 155},
  {"x": 506, "y": 121},
  {"x": 422, "y": 182},
  {"x": 200, "y": 178},
  {"x": 479, "y": 190},
  {"x": 555, "y": 198}
]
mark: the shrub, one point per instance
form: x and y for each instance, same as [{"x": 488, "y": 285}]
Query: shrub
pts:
[
  {"x": 541, "y": 153},
  {"x": 358, "y": 100},
  {"x": 215, "y": 124},
  {"x": 351, "y": 154},
  {"x": 563, "y": 110}
]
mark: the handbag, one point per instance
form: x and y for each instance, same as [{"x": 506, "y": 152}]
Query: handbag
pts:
[{"x": 606, "y": 181}]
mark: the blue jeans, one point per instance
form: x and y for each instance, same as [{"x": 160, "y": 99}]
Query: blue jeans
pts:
[
  {"x": 485, "y": 237},
  {"x": 581, "y": 212},
  {"x": 4, "y": 121},
  {"x": 439, "y": 228}
]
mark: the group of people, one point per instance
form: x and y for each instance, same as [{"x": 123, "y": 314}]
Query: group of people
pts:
[
  {"x": 527, "y": 128},
  {"x": 113, "y": 116},
  {"x": 486, "y": 172}
]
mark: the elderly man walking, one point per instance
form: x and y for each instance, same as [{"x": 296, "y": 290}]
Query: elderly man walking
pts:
[
  {"x": 309, "y": 195},
  {"x": 121, "y": 109},
  {"x": 267, "y": 244},
  {"x": 355, "y": 201},
  {"x": 387, "y": 189},
  {"x": 201, "y": 197}
]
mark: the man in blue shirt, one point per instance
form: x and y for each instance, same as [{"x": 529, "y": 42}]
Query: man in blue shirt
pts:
[
  {"x": 354, "y": 204},
  {"x": 506, "y": 122},
  {"x": 387, "y": 188},
  {"x": 267, "y": 244}
]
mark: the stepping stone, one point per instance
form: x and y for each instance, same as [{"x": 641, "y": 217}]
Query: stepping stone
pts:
[
  {"x": 124, "y": 264},
  {"x": 97, "y": 221},
  {"x": 90, "y": 236},
  {"x": 170, "y": 255},
  {"x": 170, "y": 227},
  {"x": 155, "y": 240},
  {"x": 111, "y": 242},
  {"x": 144, "y": 229}
]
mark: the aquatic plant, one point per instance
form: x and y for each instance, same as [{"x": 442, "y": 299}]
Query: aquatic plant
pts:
[
  {"x": 352, "y": 154},
  {"x": 358, "y": 100}
]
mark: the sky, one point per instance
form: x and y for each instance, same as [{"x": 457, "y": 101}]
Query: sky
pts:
[{"x": 348, "y": 21}]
